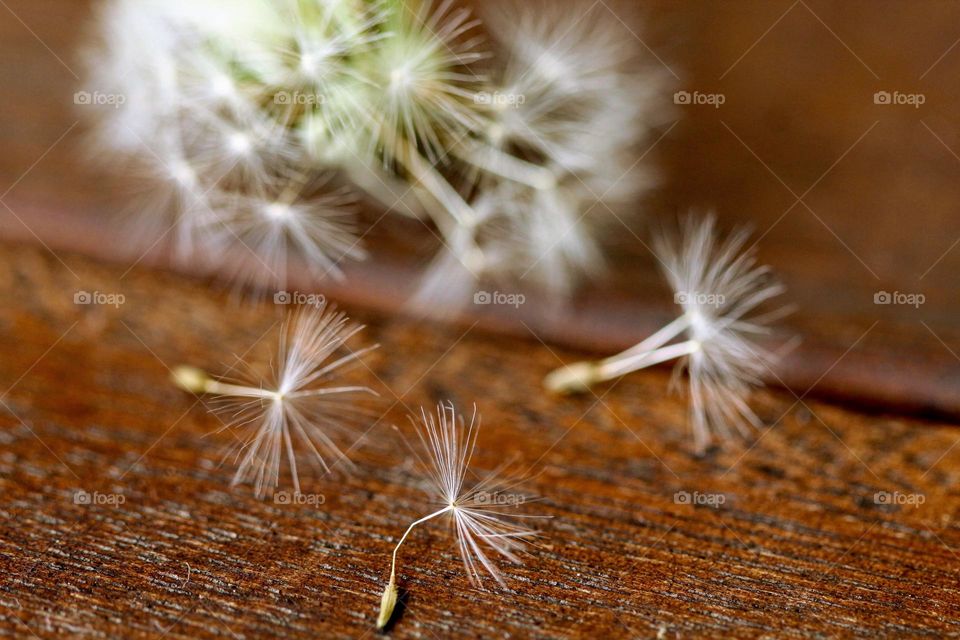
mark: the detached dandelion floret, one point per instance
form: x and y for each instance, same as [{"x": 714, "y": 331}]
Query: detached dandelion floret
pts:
[
  {"x": 481, "y": 515},
  {"x": 297, "y": 403},
  {"x": 718, "y": 285}
]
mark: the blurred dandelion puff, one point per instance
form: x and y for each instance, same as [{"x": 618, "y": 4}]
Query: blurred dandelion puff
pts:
[{"x": 534, "y": 111}]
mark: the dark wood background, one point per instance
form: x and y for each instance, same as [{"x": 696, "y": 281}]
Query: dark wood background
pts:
[{"x": 850, "y": 198}]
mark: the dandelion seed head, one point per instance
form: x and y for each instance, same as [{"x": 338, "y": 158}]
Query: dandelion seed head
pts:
[
  {"x": 256, "y": 90},
  {"x": 200, "y": 112}
]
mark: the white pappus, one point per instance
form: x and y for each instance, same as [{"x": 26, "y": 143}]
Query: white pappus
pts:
[{"x": 298, "y": 402}]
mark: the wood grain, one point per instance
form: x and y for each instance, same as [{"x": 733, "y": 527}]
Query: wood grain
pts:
[
  {"x": 839, "y": 520},
  {"x": 799, "y": 547}
]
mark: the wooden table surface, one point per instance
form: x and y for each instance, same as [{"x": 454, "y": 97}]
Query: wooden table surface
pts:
[
  {"x": 838, "y": 521},
  {"x": 800, "y": 546}
]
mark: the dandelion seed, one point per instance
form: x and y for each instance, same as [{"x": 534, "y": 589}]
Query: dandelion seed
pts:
[
  {"x": 284, "y": 222},
  {"x": 240, "y": 155},
  {"x": 577, "y": 95},
  {"x": 298, "y": 402},
  {"x": 427, "y": 89},
  {"x": 719, "y": 286},
  {"x": 557, "y": 242},
  {"x": 322, "y": 82},
  {"x": 482, "y": 516},
  {"x": 177, "y": 210}
]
